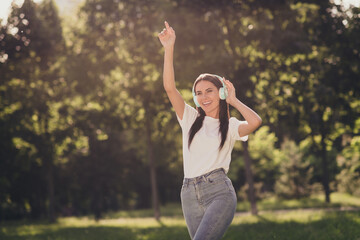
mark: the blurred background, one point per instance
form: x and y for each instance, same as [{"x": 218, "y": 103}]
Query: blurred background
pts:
[{"x": 86, "y": 127}]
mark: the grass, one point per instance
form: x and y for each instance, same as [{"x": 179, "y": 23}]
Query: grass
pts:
[
  {"x": 338, "y": 200},
  {"x": 295, "y": 223}
]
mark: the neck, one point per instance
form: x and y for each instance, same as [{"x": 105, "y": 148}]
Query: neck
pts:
[{"x": 213, "y": 114}]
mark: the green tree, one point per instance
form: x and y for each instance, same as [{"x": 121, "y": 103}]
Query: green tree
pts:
[
  {"x": 295, "y": 172},
  {"x": 119, "y": 39},
  {"x": 329, "y": 103},
  {"x": 32, "y": 87},
  {"x": 299, "y": 85},
  {"x": 348, "y": 180}
]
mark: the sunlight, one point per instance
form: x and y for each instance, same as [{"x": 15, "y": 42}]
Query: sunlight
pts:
[
  {"x": 5, "y": 7},
  {"x": 347, "y": 3}
]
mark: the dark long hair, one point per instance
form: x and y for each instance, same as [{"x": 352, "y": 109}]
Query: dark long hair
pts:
[{"x": 223, "y": 111}]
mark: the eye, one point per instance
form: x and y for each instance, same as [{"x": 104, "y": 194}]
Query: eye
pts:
[
  {"x": 209, "y": 90},
  {"x": 198, "y": 93}
]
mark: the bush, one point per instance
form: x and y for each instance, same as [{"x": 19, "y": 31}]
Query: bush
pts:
[
  {"x": 348, "y": 180},
  {"x": 295, "y": 173}
]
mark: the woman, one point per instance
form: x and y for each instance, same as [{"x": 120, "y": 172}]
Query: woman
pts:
[{"x": 207, "y": 196}]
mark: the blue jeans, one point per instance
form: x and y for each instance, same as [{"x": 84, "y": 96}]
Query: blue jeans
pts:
[{"x": 209, "y": 204}]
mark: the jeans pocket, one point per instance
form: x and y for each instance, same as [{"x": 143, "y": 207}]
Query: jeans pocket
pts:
[
  {"x": 184, "y": 187},
  {"x": 229, "y": 184}
]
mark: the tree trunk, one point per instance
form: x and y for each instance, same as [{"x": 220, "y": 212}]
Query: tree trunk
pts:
[
  {"x": 97, "y": 202},
  {"x": 250, "y": 179},
  {"x": 154, "y": 189},
  {"x": 97, "y": 181},
  {"x": 48, "y": 155},
  {"x": 325, "y": 168},
  {"x": 50, "y": 190}
]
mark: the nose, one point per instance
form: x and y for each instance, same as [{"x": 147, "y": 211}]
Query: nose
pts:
[{"x": 203, "y": 97}]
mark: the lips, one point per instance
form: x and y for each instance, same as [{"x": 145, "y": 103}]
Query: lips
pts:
[{"x": 207, "y": 103}]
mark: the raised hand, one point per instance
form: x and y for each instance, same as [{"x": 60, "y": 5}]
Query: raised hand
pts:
[
  {"x": 167, "y": 36},
  {"x": 253, "y": 120},
  {"x": 231, "y": 98}
]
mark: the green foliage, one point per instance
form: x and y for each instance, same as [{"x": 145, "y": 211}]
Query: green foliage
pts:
[
  {"x": 32, "y": 87},
  {"x": 266, "y": 158},
  {"x": 348, "y": 180},
  {"x": 295, "y": 173}
]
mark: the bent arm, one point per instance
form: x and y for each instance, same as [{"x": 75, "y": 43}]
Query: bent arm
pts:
[{"x": 252, "y": 118}]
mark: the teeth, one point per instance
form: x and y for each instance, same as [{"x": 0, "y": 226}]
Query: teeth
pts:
[{"x": 206, "y": 103}]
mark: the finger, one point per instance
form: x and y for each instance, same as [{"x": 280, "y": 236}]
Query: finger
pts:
[
  {"x": 229, "y": 85},
  {"x": 167, "y": 25},
  {"x": 162, "y": 32},
  {"x": 228, "y": 82}
]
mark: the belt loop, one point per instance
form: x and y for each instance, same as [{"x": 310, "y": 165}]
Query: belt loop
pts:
[
  {"x": 186, "y": 182},
  {"x": 205, "y": 179}
]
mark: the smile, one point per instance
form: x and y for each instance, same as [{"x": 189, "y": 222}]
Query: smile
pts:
[{"x": 207, "y": 103}]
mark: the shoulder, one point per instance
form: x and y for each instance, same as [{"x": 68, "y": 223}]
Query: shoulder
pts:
[
  {"x": 190, "y": 112},
  {"x": 189, "y": 116}
]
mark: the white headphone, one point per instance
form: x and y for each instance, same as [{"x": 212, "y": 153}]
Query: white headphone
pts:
[{"x": 223, "y": 93}]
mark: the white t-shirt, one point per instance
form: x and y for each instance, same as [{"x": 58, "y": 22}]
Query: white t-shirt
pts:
[{"x": 203, "y": 156}]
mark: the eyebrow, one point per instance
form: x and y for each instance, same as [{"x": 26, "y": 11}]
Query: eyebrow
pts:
[{"x": 210, "y": 88}]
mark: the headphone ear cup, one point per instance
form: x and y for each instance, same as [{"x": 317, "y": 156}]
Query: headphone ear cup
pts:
[
  {"x": 222, "y": 94},
  {"x": 196, "y": 101}
]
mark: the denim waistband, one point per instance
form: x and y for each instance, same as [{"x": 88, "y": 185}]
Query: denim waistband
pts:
[{"x": 204, "y": 177}]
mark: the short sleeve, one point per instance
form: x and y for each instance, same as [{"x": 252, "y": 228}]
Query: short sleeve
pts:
[
  {"x": 189, "y": 116},
  {"x": 234, "y": 129}
]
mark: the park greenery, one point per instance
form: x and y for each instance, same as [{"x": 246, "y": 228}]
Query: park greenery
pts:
[
  {"x": 86, "y": 127},
  {"x": 293, "y": 223}
]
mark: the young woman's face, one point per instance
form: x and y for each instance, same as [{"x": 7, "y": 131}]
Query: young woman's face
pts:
[{"x": 207, "y": 95}]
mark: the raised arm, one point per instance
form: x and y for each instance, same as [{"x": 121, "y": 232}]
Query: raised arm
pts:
[
  {"x": 252, "y": 118},
  {"x": 167, "y": 38}
]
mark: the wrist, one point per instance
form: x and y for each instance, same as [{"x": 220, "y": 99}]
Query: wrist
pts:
[
  {"x": 169, "y": 48},
  {"x": 233, "y": 101}
]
